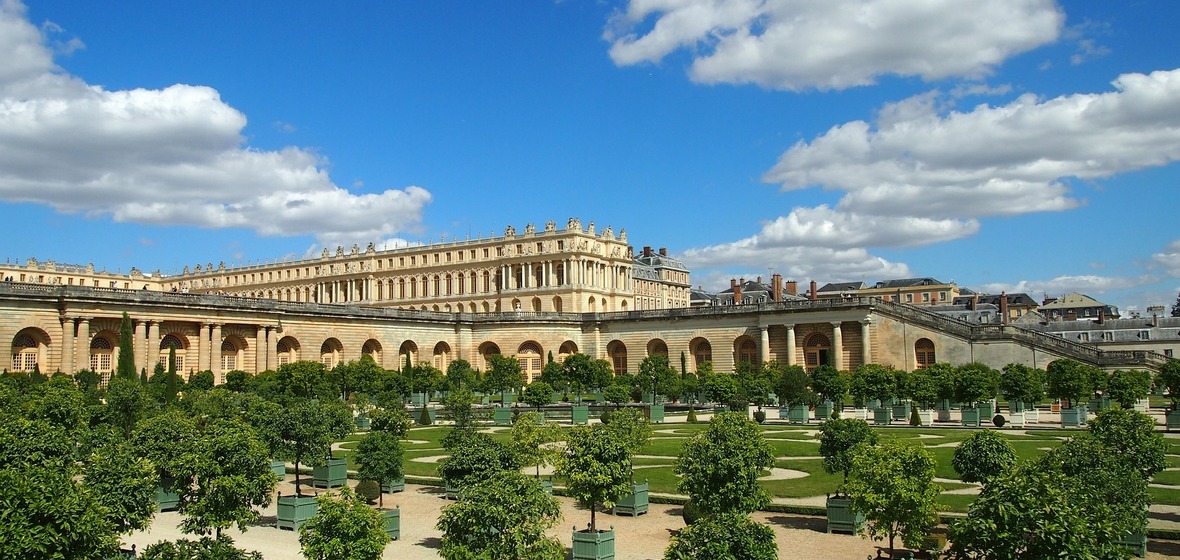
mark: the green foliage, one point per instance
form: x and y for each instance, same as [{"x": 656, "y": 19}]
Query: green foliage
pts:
[
  {"x": 1169, "y": 379},
  {"x": 460, "y": 375},
  {"x": 506, "y": 516},
  {"x": 460, "y": 403},
  {"x": 503, "y": 374},
  {"x": 759, "y": 416},
  {"x": 169, "y": 441},
  {"x": 657, "y": 376},
  {"x": 299, "y": 380},
  {"x": 893, "y": 485},
  {"x": 395, "y": 420},
  {"x": 1068, "y": 379},
  {"x": 46, "y": 514},
  {"x": 476, "y": 458},
  {"x": 719, "y": 388},
  {"x": 617, "y": 394},
  {"x": 538, "y": 394},
  {"x": 790, "y": 384},
  {"x": 34, "y": 443},
  {"x": 124, "y": 484},
  {"x": 983, "y": 456},
  {"x": 529, "y": 439},
  {"x": 924, "y": 388},
  {"x": 205, "y": 548},
  {"x": 723, "y": 537},
  {"x": 837, "y": 437},
  {"x": 719, "y": 467},
  {"x": 1127, "y": 386},
  {"x": 379, "y": 456},
  {"x": 915, "y": 419},
  {"x": 230, "y": 477},
  {"x": 975, "y": 382},
  {"x": 125, "y": 367},
  {"x": 874, "y": 381},
  {"x": 237, "y": 381},
  {"x": 369, "y": 490},
  {"x": 692, "y": 416},
  {"x": 1132, "y": 436},
  {"x": 629, "y": 426},
  {"x": 827, "y": 382},
  {"x": 1021, "y": 383},
  {"x": 127, "y": 403},
  {"x": 345, "y": 528},
  {"x": 201, "y": 380},
  {"x": 424, "y": 417},
  {"x": 596, "y": 466},
  {"x": 578, "y": 371},
  {"x": 304, "y": 432}
]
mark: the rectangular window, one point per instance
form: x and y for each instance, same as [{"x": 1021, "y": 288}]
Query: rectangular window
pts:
[
  {"x": 1168, "y": 352},
  {"x": 1107, "y": 336},
  {"x": 909, "y": 298},
  {"x": 941, "y": 296},
  {"x": 229, "y": 362},
  {"x": 164, "y": 361},
  {"x": 1084, "y": 337},
  {"x": 1144, "y": 335},
  {"x": 925, "y": 297}
]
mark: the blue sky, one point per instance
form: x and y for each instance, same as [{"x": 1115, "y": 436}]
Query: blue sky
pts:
[{"x": 1019, "y": 145}]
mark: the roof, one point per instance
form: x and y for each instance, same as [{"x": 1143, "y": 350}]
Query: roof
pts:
[
  {"x": 1019, "y": 299},
  {"x": 908, "y": 283},
  {"x": 842, "y": 287},
  {"x": 1074, "y": 299},
  {"x": 656, "y": 260}
]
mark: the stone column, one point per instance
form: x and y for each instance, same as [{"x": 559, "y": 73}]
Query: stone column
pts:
[
  {"x": 68, "y": 354},
  {"x": 137, "y": 344},
  {"x": 153, "y": 343},
  {"x": 202, "y": 347},
  {"x": 259, "y": 349},
  {"x": 272, "y": 343},
  {"x": 83, "y": 347},
  {"x": 790, "y": 344},
  {"x": 866, "y": 348},
  {"x": 215, "y": 354},
  {"x": 838, "y": 345},
  {"x": 765, "y": 332}
]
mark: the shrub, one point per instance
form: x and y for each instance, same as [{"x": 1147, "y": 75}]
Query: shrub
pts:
[
  {"x": 369, "y": 490},
  {"x": 692, "y": 415},
  {"x": 691, "y": 513},
  {"x": 999, "y": 420},
  {"x": 606, "y": 415},
  {"x": 759, "y": 416},
  {"x": 424, "y": 417},
  {"x": 915, "y": 420}
]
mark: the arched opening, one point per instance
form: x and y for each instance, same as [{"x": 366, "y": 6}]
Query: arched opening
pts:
[
  {"x": 28, "y": 346},
  {"x": 617, "y": 351},
  {"x": 330, "y": 352},
  {"x": 287, "y": 350},
  {"x": 174, "y": 344},
  {"x": 557, "y": 307},
  {"x": 568, "y": 348},
  {"x": 233, "y": 351},
  {"x": 102, "y": 356},
  {"x": 924, "y": 352},
  {"x": 746, "y": 351},
  {"x": 536, "y": 305},
  {"x": 442, "y": 356},
  {"x": 702, "y": 352},
  {"x": 407, "y": 351},
  {"x": 657, "y": 347},
  {"x": 372, "y": 349},
  {"x": 529, "y": 356},
  {"x": 817, "y": 351},
  {"x": 486, "y": 351}
]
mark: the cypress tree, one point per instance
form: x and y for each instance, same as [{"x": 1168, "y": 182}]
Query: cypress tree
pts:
[
  {"x": 126, "y": 365},
  {"x": 170, "y": 388}
]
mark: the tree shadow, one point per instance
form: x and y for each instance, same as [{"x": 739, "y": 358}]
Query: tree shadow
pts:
[
  {"x": 1164, "y": 515},
  {"x": 430, "y": 542},
  {"x": 1166, "y": 548},
  {"x": 675, "y": 512},
  {"x": 804, "y": 522}
]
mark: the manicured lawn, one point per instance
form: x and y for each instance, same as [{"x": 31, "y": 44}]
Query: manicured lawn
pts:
[{"x": 1167, "y": 477}]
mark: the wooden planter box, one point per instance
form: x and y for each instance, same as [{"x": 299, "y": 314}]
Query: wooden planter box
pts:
[
  {"x": 901, "y": 412},
  {"x": 393, "y": 522},
  {"x": 1015, "y": 406},
  {"x": 823, "y": 411},
  {"x": 1072, "y": 417},
  {"x": 1136, "y": 543},
  {"x": 392, "y": 486},
  {"x": 635, "y": 504},
  {"x": 655, "y": 414},
  {"x": 167, "y": 499},
  {"x": 926, "y": 417},
  {"x": 331, "y": 475},
  {"x": 882, "y": 416},
  {"x": 580, "y": 415},
  {"x": 1015, "y": 419},
  {"x": 986, "y": 409},
  {"x": 547, "y": 486},
  {"x": 280, "y": 469},
  {"x": 362, "y": 422},
  {"x": 1173, "y": 419},
  {"x": 594, "y": 546},
  {"x": 1032, "y": 415},
  {"x": 797, "y": 414},
  {"x": 293, "y": 511},
  {"x": 502, "y": 416},
  {"x": 842, "y": 518},
  {"x": 970, "y": 417}
]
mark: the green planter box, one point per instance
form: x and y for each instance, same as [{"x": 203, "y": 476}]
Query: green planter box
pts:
[
  {"x": 882, "y": 416},
  {"x": 970, "y": 417},
  {"x": 280, "y": 469},
  {"x": 418, "y": 399},
  {"x": 872, "y": 403},
  {"x": 1136, "y": 543},
  {"x": 540, "y": 417},
  {"x": 636, "y": 503},
  {"x": 508, "y": 398},
  {"x": 986, "y": 411},
  {"x": 1173, "y": 419},
  {"x": 823, "y": 411},
  {"x": 167, "y": 499},
  {"x": 719, "y": 409},
  {"x": 393, "y": 522},
  {"x": 362, "y": 422},
  {"x": 392, "y": 486},
  {"x": 547, "y": 486},
  {"x": 580, "y": 415},
  {"x": 901, "y": 411},
  {"x": 655, "y": 414},
  {"x": 451, "y": 492},
  {"x": 796, "y": 414},
  {"x": 331, "y": 475},
  {"x": 1072, "y": 417},
  {"x": 1015, "y": 406},
  {"x": 293, "y": 511},
  {"x": 502, "y": 416},
  {"x": 431, "y": 413},
  {"x": 594, "y": 546},
  {"x": 841, "y": 517}
]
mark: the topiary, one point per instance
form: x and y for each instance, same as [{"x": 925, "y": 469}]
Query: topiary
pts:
[
  {"x": 915, "y": 420},
  {"x": 999, "y": 420},
  {"x": 692, "y": 415},
  {"x": 835, "y": 414},
  {"x": 606, "y": 416},
  {"x": 759, "y": 416},
  {"x": 369, "y": 490},
  {"x": 691, "y": 513},
  {"x": 424, "y": 418}
]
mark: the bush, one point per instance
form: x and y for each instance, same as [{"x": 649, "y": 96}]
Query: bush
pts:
[
  {"x": 424, "y": 417},
  {"x": 692, "y": 415},
  {"x": 369, "y": 490},
  {"x": 835, "y": 414},
  {"x": 691, "y": 513},
  {"x": 915, "y": 420},
  {"x": 759, "y": 416},
  {"x": 999, "y": 420},
  {"x": 934, "y": 542},
  {"x": 606, "y": 415}
]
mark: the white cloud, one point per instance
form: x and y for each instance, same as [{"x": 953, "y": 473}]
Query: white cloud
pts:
[
  {"x": 1088, "y": 284},
  {"x": 169, "y": 156},
  {"x": 833, "y": 44},
  {"x": 1009, "y": 159},
  {"x": 1169, "y": 259},
  {"x": 798, "y": 262}
]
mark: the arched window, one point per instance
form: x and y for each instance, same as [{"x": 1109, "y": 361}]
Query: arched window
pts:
[
  {"x": 657, "y": 347},
  {"x": 229, "y": 356},
  {"x": 442, "y": 355},
  {"x": 330, "y": 353},
  {"x": 167, "y": 344},
  {"x": 618, "y": 356},
  {"x": 748, "y": 351},
  {"x": 287, "y": 350},
  {"x": 24, "y": 353},
  {"x": 817, "y": 351},
  {"x": 924, "y": 352},
  {"x": 529, "y": 356},
  {"x": 702, "y": 352},
  {"x": 101, "y": 357}
]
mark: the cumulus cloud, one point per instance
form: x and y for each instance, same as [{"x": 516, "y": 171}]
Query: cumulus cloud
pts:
[
  {"x": 1168, "y": 259},
  {"x": 1087, "y": 284},
  {"x": 796, "y": 261},
  {"x": 1008, "y": 159},
  {"x": 168, "y": 156},
  {"x": 833, "y": 44}
]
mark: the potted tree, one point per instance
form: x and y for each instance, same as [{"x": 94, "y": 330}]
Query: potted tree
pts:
[
  {"x": 656, "y": 373},
  {"x": 837, "y": 437},
  {"x": 503, "y": 376},
  {"x": 167, "y": 441},
  {"x": 924, "y": 391},
  {"x": 790, "y": 385},
  {"x": 578, "y": 371},
  {"x": 1069, "y": 380},
  {"x": 903, "y": 386},
  {"x": 538, "y": 394},
  {"x": 474, "y": 457},
  {"x": 505, "y": 516},
  {"x": 631, "y": 428},
  {"x": 1128, "y": 386},
  {"x": 877, "y": 385},
  {"x": 306, "y": 431},
  {"x": 528, "y": 443},
  {"x": 1023, "y": 387},
  {"x": 831, "y": 387},
  {"x": 974, "y": 384},
  {"x": 378, "y": 457},
  {"x": 596, "y": 466},
  {"x": 1169, "y": 379}
]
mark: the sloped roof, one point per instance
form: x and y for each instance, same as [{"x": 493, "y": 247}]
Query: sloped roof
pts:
[
  {"x": 842, "y": 287},
  {"x": 1074, "y": 299},
  {"x": 908, "y": 283}
]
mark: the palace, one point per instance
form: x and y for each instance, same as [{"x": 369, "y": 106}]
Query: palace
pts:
[{"x": 524, "y": 295}]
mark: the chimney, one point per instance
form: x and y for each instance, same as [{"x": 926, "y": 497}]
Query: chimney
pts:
[
  {"x": 1003, "y": 308},
  {"x": 663, "y": 251},
  {"x": 974, "y": 302},
  {"x": 759, "y": 279},
  {"x": 647, "y": 250},
  {"x": 737, "y": 291},
  {"x": 792, "y": 287},
  {"x": 776, "y": 287},
  {"x": 812, "y": 295},
  {"x": 1155, "y": 320},
  {"x": 1100, "y": 317}
]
